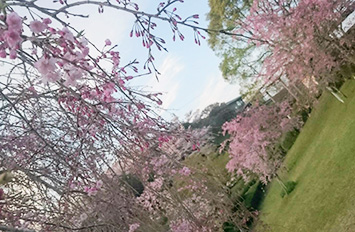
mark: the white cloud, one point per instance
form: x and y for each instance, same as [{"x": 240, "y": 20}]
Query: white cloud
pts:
[
  {"x": 168, "y": 83},
  {"x": 112, "y": 24},
  {"x": 216, "y": 90}
]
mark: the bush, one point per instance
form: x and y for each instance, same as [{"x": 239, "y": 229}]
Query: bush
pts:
[
  {"x": 290, "y": 186},
  {"x": 229, "y": 227},
  {"x": 305, "y": 114},
  {"x": 253, "y": 197}
]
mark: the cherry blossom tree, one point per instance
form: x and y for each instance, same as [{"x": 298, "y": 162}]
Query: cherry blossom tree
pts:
[
  {"x": 303, "y": 38},
  {"x": 203, "y": 200},
  {"x": 254, "y": 141},
  {"x": 65, "y": 116},
  {"x": 74, "y": 132}
]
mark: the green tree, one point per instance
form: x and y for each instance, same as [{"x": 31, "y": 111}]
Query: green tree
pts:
[
  {"x": 222, "y": 16},
  {"x": 240, "y": 59}
]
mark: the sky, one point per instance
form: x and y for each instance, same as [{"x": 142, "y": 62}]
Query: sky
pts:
[{"x": 190, "y": 77}]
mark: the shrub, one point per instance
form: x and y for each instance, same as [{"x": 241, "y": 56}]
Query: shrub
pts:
[
  {"x": 229, "y": 227},
  {"x": 305, "y": 114},
  {"x": 252, "y": 198}
]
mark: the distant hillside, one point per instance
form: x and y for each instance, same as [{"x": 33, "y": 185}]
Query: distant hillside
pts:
[{"x": 215, "y": 115}]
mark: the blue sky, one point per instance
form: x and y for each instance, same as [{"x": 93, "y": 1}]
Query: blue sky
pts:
[{"x": 190, "y": 78}]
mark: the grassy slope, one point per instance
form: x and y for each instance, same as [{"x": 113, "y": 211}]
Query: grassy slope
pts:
[{"x": 322, "y": 161}]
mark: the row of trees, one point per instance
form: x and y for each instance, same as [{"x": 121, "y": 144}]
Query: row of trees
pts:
[{"x": 278, "y": 41}]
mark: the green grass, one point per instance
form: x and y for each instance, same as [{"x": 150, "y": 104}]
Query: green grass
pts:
[{"x": 322, "y": 162}]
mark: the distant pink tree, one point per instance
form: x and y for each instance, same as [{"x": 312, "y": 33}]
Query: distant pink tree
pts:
[{"x": 254, "y": 141}]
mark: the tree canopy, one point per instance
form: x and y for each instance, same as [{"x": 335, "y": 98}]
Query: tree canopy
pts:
[{"x": 237, "y": 55}]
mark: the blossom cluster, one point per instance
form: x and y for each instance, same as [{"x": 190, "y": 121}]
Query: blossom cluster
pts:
[{"x": 10, "y": 35}]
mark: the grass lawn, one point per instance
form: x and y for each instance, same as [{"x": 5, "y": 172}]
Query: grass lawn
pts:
[{"x": 322, "y": 162}]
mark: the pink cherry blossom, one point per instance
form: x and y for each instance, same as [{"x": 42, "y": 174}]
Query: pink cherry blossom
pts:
[
  {"x": 13, "y": 38},
  {"x": 37, "y": 26},
  {"x": 47, "y": 67},
  {"x": 295, "y": 35},
  {"x": 99, "y": 184},
  {"x": 133, "y": 227},
  {"x": 72, "y": 76},
  {"x": 185, "y": 171},
  {"x": 66, "y": 33},
  {"x": 181, "y": 225},
  {"x": 91, "y": 191},
  {"x": 255, "y": 136},
  {"x": 107, "y": 42},
  {"x": 13, "y": 54},
  {"x": 2, "y": 53},
  {"x": 14, "y": 21},
  {"x": 47, "y": 21}
]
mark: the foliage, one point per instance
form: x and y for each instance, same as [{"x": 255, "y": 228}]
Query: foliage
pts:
[
  {"x": 215, "y": 164},
  {"x": 134, "y": 183},
  {"x": 229, "y": 227},
  {"x": 254, "y": 195},
  {"x": 222, "y": 16},
  {"x": 236, "y": 55},
  {"x": 290, "y": 186}
]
